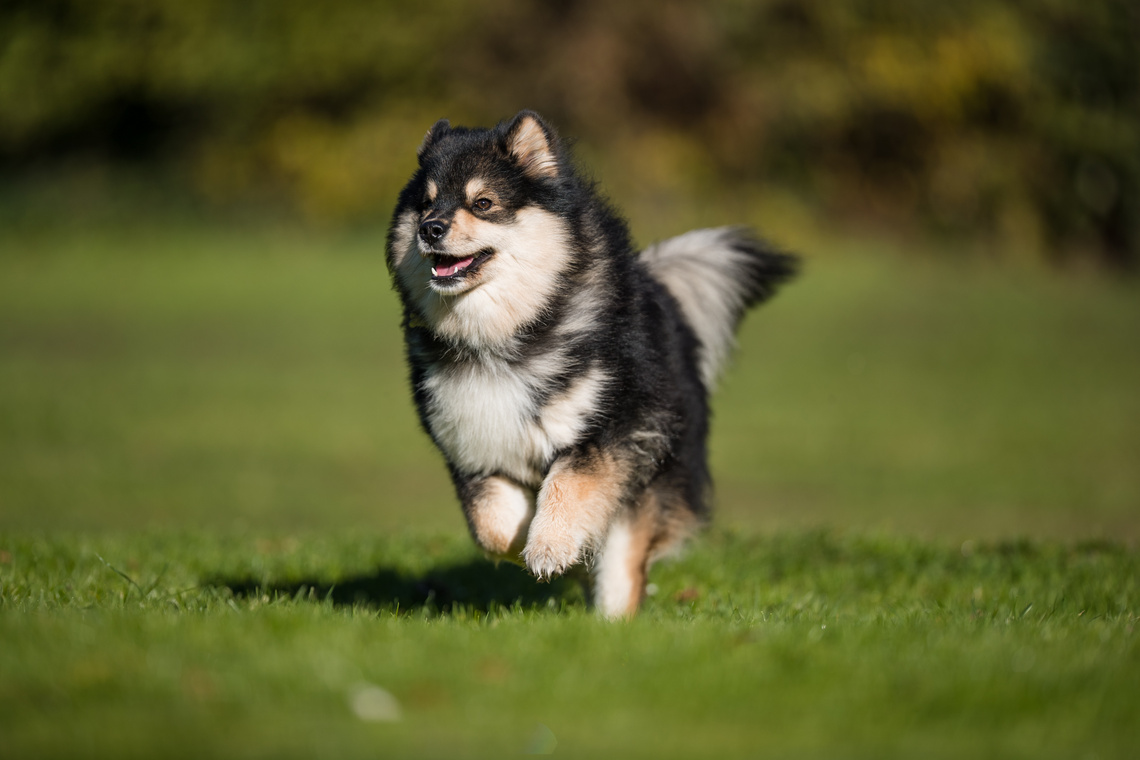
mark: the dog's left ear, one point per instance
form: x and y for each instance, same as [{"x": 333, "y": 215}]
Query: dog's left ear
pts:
[
  {"x": 532, "y": 144},
  {"x": 440, "y": 128}
]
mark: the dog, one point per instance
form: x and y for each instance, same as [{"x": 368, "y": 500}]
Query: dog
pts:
[{"x": 564, "y": 376}]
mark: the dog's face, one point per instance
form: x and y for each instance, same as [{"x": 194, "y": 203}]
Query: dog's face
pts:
[{"x": 476, "y": 245}]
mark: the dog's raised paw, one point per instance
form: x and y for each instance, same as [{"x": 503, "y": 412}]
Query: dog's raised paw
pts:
[{"x": 546, "y": 558}]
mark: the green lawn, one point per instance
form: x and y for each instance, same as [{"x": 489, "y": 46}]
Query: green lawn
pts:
[
  {"x": 222, "y": 533},
  {"x": 797, "y": 645}
]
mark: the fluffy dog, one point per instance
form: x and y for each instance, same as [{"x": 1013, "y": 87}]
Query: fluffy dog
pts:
[{"x": 564, "y": 376}]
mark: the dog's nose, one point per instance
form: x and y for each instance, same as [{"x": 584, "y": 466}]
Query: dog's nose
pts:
[{"x": 432, "y": 230}]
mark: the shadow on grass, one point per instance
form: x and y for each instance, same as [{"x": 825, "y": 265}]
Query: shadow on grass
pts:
[{"x": 476, "y": 585}]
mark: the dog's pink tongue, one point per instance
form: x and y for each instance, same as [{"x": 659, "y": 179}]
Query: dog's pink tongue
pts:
[{"x": 448, "y": 271}]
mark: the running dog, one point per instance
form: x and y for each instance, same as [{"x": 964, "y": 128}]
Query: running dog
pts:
[{"x": 564, "y": 376}]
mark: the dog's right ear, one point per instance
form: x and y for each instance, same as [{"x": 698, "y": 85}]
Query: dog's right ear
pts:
[{"x": 438, "y": 130}]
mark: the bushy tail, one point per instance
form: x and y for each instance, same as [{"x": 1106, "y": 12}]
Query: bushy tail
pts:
[{"x": 715, "y": 275}]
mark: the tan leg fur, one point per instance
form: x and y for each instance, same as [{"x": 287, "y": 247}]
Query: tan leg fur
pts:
[{"x": 575, "y": 505}]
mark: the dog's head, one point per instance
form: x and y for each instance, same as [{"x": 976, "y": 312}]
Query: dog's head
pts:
[{"x": 477, "y": 244}]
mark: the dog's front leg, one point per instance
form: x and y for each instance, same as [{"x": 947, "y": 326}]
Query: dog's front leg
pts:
[
  {"x": 579, "y": 497},
  {"x": 499, "y": 512}
]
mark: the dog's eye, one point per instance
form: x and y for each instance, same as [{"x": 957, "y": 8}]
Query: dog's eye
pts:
[{"x": 483, "y": 204}]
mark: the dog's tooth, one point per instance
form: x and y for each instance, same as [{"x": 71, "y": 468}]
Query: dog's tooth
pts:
[{"x": 434, "y": 273}]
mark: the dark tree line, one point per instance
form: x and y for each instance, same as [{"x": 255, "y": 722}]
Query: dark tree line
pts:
[{"x": 968, "y": 116}]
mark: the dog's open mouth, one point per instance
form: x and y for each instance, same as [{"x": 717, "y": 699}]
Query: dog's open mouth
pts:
[{"x": 446, "y": 268}]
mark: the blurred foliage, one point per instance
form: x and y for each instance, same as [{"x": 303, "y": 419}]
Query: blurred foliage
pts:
[{"x": 1014, "y": 120}]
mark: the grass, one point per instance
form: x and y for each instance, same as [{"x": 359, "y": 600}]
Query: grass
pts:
[
  {"x": 799, "y": 644},
  {"x": 222, "y": 534}
]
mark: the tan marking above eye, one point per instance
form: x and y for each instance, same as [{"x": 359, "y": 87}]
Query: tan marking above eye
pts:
[
  {"x": 479, "y": 196},
  {"x": 474, "y": 188},
  {"x": 432, "y": 190}
]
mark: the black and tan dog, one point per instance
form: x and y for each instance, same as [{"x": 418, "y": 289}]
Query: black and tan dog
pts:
[{"x": 564, "y": 377}]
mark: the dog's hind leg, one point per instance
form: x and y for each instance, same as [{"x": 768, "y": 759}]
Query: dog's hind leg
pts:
[
  {"x": 620, "y": 566},
  {"x": 656, "y": 526}
]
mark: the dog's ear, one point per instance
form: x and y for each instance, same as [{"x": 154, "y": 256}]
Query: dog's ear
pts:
[
  {"x": 440, "y": 128},
  {"x": 531, "y": 143}
]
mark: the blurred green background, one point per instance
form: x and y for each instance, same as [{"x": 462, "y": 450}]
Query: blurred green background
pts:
[
  {"x": 1010, "y": 121},
  {"x": 196, "y": 327}
]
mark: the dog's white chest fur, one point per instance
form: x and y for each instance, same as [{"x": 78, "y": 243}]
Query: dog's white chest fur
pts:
[{"x": 485, "y": 417}]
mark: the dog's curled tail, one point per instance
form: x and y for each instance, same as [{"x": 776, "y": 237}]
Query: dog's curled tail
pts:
[{"x": 715, "y": 275}]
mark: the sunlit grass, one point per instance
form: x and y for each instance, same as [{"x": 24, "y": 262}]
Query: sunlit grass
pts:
[{"x": 801, "y": 644}]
